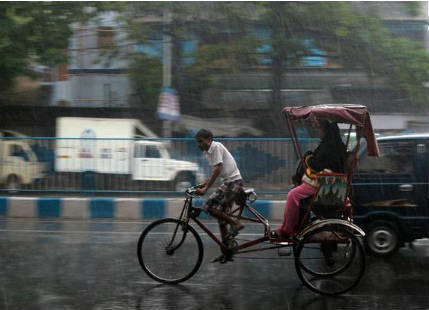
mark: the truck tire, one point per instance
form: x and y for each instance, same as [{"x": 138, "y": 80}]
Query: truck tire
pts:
[
  {"x": 183, "y": 180},
  {"x": 382, "y": 239},
  {"x": 13, "y": 184}
]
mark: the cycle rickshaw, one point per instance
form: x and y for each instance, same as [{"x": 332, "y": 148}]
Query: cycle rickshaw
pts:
[{"x": 328, "y": 252}]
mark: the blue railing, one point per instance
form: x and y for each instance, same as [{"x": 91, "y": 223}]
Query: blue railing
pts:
[{"x": 134, "y": 166}]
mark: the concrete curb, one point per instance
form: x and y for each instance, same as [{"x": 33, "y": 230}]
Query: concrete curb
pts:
[{"x": 115, "y": 208}]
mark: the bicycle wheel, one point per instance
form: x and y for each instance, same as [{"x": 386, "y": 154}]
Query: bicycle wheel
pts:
[
  {"x": 330, "y": 260},
  {"x": 170, "y": 251}
]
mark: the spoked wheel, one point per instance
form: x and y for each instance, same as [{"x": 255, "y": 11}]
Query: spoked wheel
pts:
[
  {"x": 170, "y": 251},
  {"x": 330, "y": 260}
]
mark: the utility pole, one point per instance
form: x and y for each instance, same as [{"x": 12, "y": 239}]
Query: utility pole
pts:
[
  {"x": 166, "y": 65},
  {"x": 168, "y": 107}
]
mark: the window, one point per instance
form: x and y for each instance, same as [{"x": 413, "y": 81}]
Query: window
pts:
[
  {"x": 139, "y": 151},
  {"x": 152, "y": 152},
  {"x": 17, "y": 151},
  {"x": 395, "y": 158},
  {"x": 105, "y": 37},
  {"x": 421, "y": 148}
]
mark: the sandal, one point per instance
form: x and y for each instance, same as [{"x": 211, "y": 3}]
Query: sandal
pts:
[{"x": 223, "y": 259}]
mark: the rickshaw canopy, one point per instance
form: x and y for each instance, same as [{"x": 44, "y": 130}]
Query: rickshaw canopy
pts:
[{"x": 357, "y": 115}]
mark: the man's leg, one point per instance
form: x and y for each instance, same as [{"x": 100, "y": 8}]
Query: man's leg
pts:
[
  {"x": 221, "y": 216},
  {"x": 217, "y": 206},
  {"x": 222, "y": 220},
  {"x": 223, "y": 230},
  {"x": 231, "y": 195}
]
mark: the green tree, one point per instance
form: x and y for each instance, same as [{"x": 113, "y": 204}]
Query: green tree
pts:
[
  {"x": 226, "y": 42},
  {"x": 361, "y": 41},
  {"x": 144, "y": 25},
  {"x": 146, "y": 75},
  {"x": 36, "y": 32},
  {"x": 221, "y": 38},
  {"x": 226, "y": 37},
  {"x": 354, "y": 40}
]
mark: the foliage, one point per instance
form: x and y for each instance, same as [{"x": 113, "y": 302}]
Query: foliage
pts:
[
  {"x": 353, "y": 40},
  {"x": 360, "y": 41},
  {"x": 413, "y": 7},
  {"x": 36, "y": 32},
  {"x": 221, "y": 28},
  {"x": 227, "y": 41},
  {"x": 146, "y": 77}
]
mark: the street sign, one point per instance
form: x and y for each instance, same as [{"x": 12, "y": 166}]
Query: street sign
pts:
[{"x": 168, "y": 108}]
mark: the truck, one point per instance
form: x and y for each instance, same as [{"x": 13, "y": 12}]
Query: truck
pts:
[
  {"x": 19, "y": 163},
  {"x": 119, "y": 147}
]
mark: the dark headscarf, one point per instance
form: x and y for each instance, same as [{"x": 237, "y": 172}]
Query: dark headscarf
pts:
[{"x": 331, "y": 152}]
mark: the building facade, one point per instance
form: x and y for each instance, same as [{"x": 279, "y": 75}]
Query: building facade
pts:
[{"x": 92, "y": 78}]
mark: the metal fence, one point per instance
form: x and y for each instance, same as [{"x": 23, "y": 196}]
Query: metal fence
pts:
[{"x": 89, "y": 165}]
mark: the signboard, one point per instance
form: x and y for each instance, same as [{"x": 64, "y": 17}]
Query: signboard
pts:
[{"x": 168, "y": 108}]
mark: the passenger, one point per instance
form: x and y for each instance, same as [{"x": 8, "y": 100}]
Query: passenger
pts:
[{"x": 330, "y": 156}]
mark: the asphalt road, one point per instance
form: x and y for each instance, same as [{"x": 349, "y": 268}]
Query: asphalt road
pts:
[{"x": 93, "y": 265}]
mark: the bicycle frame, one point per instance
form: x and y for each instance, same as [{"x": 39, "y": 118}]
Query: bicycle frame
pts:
[{"x": 190, "y": 212}]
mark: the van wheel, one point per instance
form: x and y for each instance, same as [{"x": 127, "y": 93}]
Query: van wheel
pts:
[
  {"x": 183, "y": 181},
  {"x": 382, "y": 239},
  {"x": 12, "y": 184}
]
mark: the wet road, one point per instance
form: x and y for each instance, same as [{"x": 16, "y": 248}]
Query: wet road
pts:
[{"x": 93, "y": 265}]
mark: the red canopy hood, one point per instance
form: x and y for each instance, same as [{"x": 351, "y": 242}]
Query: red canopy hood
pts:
[{"x": 357, "y": 115}]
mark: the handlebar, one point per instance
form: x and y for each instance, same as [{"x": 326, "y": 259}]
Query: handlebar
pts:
[{"x": 192, "y": 191}]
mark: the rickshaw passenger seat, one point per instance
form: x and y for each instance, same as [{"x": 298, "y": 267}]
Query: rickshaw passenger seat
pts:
[{"x": 331, "y": 196}]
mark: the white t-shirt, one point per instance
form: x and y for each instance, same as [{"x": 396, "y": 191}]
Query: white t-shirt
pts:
[{"x": 218, "y": 153}]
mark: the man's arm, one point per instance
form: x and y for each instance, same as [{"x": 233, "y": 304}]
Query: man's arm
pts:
[{"x": 215, "y": 173}]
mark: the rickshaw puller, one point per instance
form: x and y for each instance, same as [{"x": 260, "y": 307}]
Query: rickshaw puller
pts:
[{"x": 231, "y": 188}]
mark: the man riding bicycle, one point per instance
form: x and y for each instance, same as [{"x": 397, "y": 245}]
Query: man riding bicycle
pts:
[{"x": 231, "y": 188}]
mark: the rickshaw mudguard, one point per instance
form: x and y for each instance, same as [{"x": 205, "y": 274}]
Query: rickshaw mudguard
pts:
[{"x": 321, "y": 223}]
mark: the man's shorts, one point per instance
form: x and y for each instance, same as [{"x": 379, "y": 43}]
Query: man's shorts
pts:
[{"x": 224, "y": 196}]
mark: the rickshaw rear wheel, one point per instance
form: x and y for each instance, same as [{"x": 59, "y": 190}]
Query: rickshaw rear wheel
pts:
[{"x": 330, "y": 260}]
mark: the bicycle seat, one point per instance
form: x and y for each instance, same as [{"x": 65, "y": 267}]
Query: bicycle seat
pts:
[
  {"x": 250, "y": 194},
  {"x": 248, "y": 191}
]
